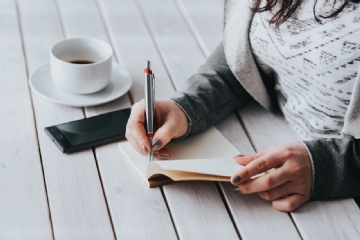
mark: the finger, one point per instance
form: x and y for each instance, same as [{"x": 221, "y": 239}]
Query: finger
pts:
[
  {"x": 245, "y": 160},
  {"x": 265, "y": 182},
  {"x": 136, "y": 132},
  {"x": 278, "y": 192},
  {"x": 135, "y": 128},
  {"x": 137, "y": 113},
  {"x": 164, "y": 134},
  {"x": 257, "y": 166},
  {"x": 134, "y": 143},
  {"x": 289, "y": 203}
]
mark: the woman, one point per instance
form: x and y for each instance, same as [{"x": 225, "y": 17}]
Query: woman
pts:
[{"x": 302, "y": 56}]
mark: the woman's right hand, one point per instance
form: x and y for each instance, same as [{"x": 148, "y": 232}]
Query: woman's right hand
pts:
[{"x": 169, "y": 122}]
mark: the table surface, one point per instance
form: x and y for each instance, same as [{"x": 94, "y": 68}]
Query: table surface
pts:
[{"x": 96, "y": 194}]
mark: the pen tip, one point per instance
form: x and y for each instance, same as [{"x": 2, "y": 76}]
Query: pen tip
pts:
[{"x": 148, "y": 64}]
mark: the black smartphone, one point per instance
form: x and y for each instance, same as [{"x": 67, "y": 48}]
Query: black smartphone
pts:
[{"x": 89, "y": 132}]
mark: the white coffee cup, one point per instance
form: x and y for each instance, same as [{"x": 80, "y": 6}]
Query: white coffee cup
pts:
[{"x": 81, "y": 78}]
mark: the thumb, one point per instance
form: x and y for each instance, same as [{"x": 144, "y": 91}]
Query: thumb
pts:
[{"x": 163, "y": 135}]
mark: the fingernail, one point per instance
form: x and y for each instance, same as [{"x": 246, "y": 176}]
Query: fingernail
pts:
[
  {"x": 236, "y": 179},
  {"x": 240, "y": 155},
  {"x": 236, "y": 189},
  {"x": 160, "y": 157},
  {"x": 145, "y": 150},
  {"x": 156, "y": 144}
]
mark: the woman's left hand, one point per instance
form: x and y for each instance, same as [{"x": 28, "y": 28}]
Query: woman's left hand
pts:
[{"x": 288, "y": 186}]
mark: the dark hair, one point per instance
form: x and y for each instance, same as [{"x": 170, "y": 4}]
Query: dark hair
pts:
[{"x": 288, "y": 7}]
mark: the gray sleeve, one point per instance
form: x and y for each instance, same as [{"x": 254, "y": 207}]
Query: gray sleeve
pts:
[
  {"x": 211, "y": 94},
  {"x": 336, "y": 164}
]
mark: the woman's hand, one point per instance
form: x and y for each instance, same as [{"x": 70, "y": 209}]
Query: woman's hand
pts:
[
  {"x": 169, "y": 122},
  {"x": 288, "y": 186}
]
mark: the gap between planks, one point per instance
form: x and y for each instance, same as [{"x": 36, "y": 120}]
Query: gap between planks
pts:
[
  {"x": 117, "y": 58},
  {"x": 148, "y": 27},
  {"x": 168, "y": 208},
  {"x": 34, "y": 118},
  {"x": 226, "y": 204},
  {"x": 187, "y": 20},
  {"x": 103, "y": 190},
  {"x": 84, "y": 112}
]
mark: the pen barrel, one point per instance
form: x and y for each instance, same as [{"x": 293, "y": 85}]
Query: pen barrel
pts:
[
  {"x": 151, "y": 153},
  {"x": 149, "y": 102}
]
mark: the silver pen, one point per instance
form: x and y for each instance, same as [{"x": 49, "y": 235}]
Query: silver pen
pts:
[{"x": 149, "y": 104}]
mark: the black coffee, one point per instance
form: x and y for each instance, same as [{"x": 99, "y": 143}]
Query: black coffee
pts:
[{"x": 81, "y": 62}]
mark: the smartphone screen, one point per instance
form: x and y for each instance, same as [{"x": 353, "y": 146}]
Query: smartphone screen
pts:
[{"x": 89, "y": 132}]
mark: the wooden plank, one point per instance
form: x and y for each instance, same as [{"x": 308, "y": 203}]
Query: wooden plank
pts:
[
  {"x": 328, "y": 220},
  {"x": 77, "y": 204},
  {"x": 132, "y": 205},
  {"x": 197, "y": 13},
  {"x": 81, "y": 19},
  {"x": 133, "y": 45},
  {"x": 183, "y": 67},
  {"x": 256, "y": 219},
  {"x": 337, "y": 219},
  {"x": 176, "y": 45},
  {"x": 24, "y": 210},
  {"x": 277, "y": 130}
]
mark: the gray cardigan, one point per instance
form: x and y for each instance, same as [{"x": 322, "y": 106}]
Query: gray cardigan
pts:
[{"x": 230, "y": 78}]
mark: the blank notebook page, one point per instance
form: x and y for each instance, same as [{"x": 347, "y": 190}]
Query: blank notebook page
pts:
[{"x": 210, "y": 144}]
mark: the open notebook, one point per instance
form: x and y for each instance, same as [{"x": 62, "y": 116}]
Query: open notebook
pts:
[{"x": 206, "y": 156}]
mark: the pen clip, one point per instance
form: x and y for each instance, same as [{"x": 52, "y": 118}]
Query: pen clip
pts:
[{"x": 153, "y": 95}]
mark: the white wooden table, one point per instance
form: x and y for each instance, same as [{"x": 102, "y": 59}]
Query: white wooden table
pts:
[{"x": 96, "y": 194}]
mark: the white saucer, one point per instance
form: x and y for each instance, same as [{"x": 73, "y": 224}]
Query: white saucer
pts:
[{"x": 41, "y": 83}]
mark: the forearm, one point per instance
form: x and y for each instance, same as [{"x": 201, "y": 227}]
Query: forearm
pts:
[
  {"x": 211, "y": 94},
  {"x": 336, "y": 164}
]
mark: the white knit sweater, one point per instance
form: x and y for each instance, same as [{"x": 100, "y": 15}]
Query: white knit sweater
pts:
[{"x": 315, "y": 65}]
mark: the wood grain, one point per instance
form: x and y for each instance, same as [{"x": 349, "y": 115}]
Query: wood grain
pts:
[
  {"x": 24, "y": 210},
  {"x": 180, "y": 54},
  {"x": 77, "y": 204},
  {"x": 133, "y": 43},
  {"x": 328, "y": 220},
  {"x": 137, "y": 212},
  {"x": 265, "y": 128},
  {"x": 197, "y": 14}
]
